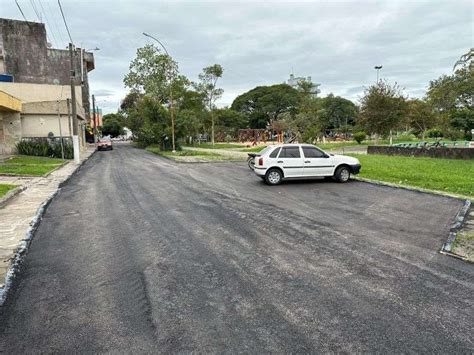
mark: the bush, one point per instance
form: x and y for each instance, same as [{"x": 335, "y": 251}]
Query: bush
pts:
[
  {"x": 434, "y": 133},
  {"x": 359, "y": 136},
  {"x": 45, "y": 148},
  {"x": 453, "y": 134}
]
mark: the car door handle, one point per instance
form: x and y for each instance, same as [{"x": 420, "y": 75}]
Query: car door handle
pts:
[
  {"x": 307, "y": 162},
  {"x": 280, "y": 161}
]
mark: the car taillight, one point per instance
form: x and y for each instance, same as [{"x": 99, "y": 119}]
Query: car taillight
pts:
[{"x": 260, "y": 161}]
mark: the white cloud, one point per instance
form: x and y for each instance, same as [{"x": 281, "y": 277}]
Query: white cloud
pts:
[{"x": 336, "y": 42}]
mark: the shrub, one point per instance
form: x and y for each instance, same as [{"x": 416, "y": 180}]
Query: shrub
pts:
[
  {"x": 453, "y": 134},
  {"x": 359, "y": 136},
  {"x": 434, "y": 133},
  {"x": 45, "y": 148}
]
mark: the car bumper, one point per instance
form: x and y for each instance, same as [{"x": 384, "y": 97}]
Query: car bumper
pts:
[
  {"x": 355, "y": 169},
  {"x": 259, "y": 171}
]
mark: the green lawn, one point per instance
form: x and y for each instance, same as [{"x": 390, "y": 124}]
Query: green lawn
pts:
[
  {"x": 4, "y": 188},
  {"x": 188, "y": 155},
  {"x": 447, "y": 175},
  {"x": 216, "y": 145},
  {"x": 29, "y": 166}
]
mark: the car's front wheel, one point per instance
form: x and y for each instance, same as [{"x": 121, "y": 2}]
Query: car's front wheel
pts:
[
  {"x": 273, "y": 177},
  {"x": 342, "y": 174}
]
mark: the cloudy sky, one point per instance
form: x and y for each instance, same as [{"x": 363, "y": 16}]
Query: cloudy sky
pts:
[{"x": 337, "y": 43}]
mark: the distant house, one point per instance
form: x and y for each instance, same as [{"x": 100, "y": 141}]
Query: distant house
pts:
[{"x": 39, "y": 78}]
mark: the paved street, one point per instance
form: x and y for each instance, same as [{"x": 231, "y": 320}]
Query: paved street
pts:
[{"x": 140, "y": 254}]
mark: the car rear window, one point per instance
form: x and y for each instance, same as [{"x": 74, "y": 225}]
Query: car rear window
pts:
[
  {"x": 264, "y": 150},
  {"x": 275, "y": 152},
  {"x": 290, "y": 152}
]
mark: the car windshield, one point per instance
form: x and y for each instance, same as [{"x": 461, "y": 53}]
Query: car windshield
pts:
[{"x": 105, "y": 139}]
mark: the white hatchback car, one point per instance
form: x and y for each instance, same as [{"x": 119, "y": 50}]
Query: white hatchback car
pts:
[{"x": 299, "y": 161}]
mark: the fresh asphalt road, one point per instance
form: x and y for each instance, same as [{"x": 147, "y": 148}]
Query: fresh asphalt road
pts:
[{"x": 140, "y": 254}]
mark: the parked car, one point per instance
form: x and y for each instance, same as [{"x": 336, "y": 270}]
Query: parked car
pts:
[
  {"x": 104, "y": 143},
  {"x": 302, "y": 161}
]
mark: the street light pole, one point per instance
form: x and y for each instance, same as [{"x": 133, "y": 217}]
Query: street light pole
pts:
[
  {"x": 378, "y": 67},
  {"x": 75, "y": 125},
  {"x": 171, "y": 93}
]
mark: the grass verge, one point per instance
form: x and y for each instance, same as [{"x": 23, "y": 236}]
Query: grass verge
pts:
[
  {"x": 217, "y": 145},
  {"x": 446, "y": 175},
  {"x": 4, "y": 188},
  {"x": 29, "y": 166},
  {"x": 464, "y": 245},
  {"x": 188, "y": 155}
]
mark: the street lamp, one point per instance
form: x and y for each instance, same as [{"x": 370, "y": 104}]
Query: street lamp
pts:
[
  {"x": 378, "y": 67},
  {"x": 171, "y": 93}
]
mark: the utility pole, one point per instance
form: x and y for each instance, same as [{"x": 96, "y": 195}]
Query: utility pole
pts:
[
  {"x": 68, "y": 102},
  {"x": 75, "y": 125},
  {"x": 378, "y": 67},
  {"x": 95, "y": 119}
]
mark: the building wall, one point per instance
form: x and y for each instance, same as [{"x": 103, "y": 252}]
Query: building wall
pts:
[
  {"x": 42, "y": 125},
  {"x": 27, "y": 57},
  {"x": 10, "y": 132},
  {"x": 39, "y": 92}
]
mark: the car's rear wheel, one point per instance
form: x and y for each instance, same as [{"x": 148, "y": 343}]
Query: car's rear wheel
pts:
[
  {"x": 342, "y": 174},
  {"x": 273, "y": 177}
]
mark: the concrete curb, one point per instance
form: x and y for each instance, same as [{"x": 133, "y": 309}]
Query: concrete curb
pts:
[
  {"x": 458, "y": 220},
  {"x": 10, "y": 194},
  {"x": 412, "y": 188},
  {"x": 455, "y": 227},
  {"x": 15, "y": 265}
]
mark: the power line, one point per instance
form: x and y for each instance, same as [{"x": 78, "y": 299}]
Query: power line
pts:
[
  {"x": 35, "y": 10},
  {"x": 64, "y": 19},
  {"x": 48, "y": 23},
  {"x": 55, "y": 23},
  {"x": 19, "y": 8}
]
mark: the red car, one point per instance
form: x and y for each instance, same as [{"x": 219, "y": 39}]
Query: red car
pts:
[{"x": 104, "y": 144}]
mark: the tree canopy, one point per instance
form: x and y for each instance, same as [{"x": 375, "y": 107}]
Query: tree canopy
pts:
[
  {"x": 383, "y": 107},
  {"x": 265, "y": 104}
]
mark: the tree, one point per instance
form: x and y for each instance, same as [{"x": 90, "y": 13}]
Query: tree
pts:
[
  {"x": 420, "y": 116},
  {"x": 230, "y": 121},
  {"x": 462, "y": 119},
  {"x": 452, "y": 96},
  {"x": 156, "y": 74},
  {"x": 382, "y": 109},
  {"x": 207, "y": 87},
  {"x": 130, "y": 101},
  {"x": 113, "y": 124},
  {"x": 307, "y": 88},
  {"x": 341, "y": 112},
  {"x": 264, "y": 104}
]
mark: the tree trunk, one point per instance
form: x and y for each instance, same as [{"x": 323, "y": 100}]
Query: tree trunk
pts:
[
  {"x": 212, "y": 128},
  {"x": 391, "y": 138}
]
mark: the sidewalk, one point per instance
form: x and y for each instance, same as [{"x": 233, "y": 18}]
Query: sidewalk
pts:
[{"x": 20, "y": 216}]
